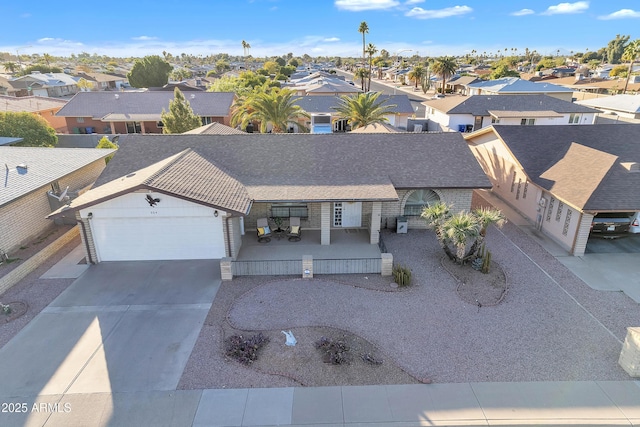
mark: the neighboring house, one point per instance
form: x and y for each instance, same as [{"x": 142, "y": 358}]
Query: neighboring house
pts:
[
  {"x": 324, "y": 86},
  {"x": 138, "y": 112},
  {"x": 518, "y": 86},
  {"x": 200, "y": 196},
  {"x": 45, "y": 84},
  {"x": 42, "y": 106},
  {"x": 32, "y": 172},
  {"x": 599, "y": 85},
  {"x": 6, "y": 88},
  {"x": 625, "y": 106},
  {"x": 560, "y": 177},
  {"x": 459, "y": 84},
  {"x": 470, "y": 113},
  {"x": 402, "y": 111},
  {"x": 103, "y": 81}
]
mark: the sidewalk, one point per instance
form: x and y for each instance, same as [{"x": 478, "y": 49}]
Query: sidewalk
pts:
[{"x": 469, "y": 404}]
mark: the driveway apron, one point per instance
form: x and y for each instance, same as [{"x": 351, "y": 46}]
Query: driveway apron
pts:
[{"x": 120, "y": 327}]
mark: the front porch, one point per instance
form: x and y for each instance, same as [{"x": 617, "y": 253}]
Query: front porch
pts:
[{"x": 349, "y": 252}]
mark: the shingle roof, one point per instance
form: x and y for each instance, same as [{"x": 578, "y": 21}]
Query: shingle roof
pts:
[
  {"x": 480, "y": 105},
  {"x": 29, "y": 104},
  {"x": 516, "y": 85},
  {"x": 99, "y": 104},
  {"x": 583, "y": 164},
  {"x": 328, "y": 103},
  {"x": 48, "y": 79},
  {"x": 44, "y": 165},
  {"x": 287, "y": 167},
  {"x": 215, "y": 128}
]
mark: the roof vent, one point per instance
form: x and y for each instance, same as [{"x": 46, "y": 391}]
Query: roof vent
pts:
[
  {"x": 22, "y": 166},
  {"x": 193, "y": 96},
  {"x": 117, "y": 96},
  {"x": 631, "y": 166}
]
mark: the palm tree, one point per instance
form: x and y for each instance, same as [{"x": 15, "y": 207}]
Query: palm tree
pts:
[
  {"x": 445, "y": 67},
  {"x": 364, "y": 29},
  {"x": 364, "y": 109},
  {"x": 631, "y": 53},
  {"x": 47, "y": 59},
  {"x": 244, "y": 47},
  {"x": 361, "y": 73},
  {"x": 417, "y": 74},
  {"x": 371, "y": 50},
  {"x": 10, "y": 66},
  {"x": 276, "y": 107}
]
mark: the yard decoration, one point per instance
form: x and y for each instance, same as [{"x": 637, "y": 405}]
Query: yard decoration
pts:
[{"x": 461, "y": 235}]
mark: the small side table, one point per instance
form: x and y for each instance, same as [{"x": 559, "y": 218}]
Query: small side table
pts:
[{"x": 278, "y": 233}]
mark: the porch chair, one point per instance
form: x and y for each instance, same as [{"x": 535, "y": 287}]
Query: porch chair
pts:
[
  {"x": 264, "y": 232},
  {"x": 294, "y": 232}
]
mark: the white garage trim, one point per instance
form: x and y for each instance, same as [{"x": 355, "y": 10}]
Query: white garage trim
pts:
[{"x": 127, "y": 228}]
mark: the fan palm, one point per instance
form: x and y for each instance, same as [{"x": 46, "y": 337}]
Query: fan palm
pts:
[
  {"x": 371, "y": 50},
  {"x": 364, "y": 109},
  {"x": 364, "y": 29},
  {"x": 275, "y": 107},
  {"x": 445, "y": 67},
  {"x": 417, "y": 74},
  {"x": 631, "y": 53}
]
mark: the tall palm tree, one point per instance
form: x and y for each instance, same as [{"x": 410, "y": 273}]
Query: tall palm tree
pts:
[
  {"x": 244, "y": 47},
  {"x": 445, "y": 67},
  {"x": 371, "y": 50},
  {"x": 416, "y": 74},
  {"x": 631, "y": 53},
  {"x": 10, "y": 66},
  {"x": 364, "y": 109},
  {"x": 276, "y": 107},
  {"x": 364, "y": 29},
  {"x": 362, "y": 73}
]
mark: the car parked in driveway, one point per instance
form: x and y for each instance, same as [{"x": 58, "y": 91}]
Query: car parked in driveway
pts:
[
  {"x": 611, "y": 224},
  {"x": 635, "y": 223}
]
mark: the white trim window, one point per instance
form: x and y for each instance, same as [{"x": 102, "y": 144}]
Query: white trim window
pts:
[{"x": 418, "y": 200}]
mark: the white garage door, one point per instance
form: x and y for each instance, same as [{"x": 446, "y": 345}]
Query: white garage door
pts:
[{"x": 129, "y": 239}]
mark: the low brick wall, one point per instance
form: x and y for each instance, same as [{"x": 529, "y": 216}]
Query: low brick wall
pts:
[{"x": 19, "y": 273}]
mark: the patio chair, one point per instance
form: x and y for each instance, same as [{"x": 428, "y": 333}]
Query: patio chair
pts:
[
  {"x": 264, "y": 232},
  {"x": 294, "y": 232}
]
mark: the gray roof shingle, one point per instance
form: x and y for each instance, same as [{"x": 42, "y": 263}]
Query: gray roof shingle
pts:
[
  {"x": 100, "y": 104},
  {"x": 581, "y": 164},
  {"x": 480, "y": 105},
  {"x": 43, "y": 166},
  {"x": 228, "y": 171}
]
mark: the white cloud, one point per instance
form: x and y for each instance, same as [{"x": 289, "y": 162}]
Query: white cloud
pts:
[
  {"x": 566, "y": 8},
  {"x": 420, "y": 13},
  {"x": 523, "y": 12},
  {"x": 144, "y": 38},
  {"x": 45, "y": 39},
  {"x": 621, "y": 14},
  {"x": 360, "y": 5},
  {"x": 409, "y": 2},
  {"x": 331, "y": 39}
]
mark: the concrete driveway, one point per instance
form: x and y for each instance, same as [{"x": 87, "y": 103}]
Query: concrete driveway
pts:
[{"x": 120, "y": 327}]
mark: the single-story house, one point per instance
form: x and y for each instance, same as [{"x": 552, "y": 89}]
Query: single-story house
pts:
[
  {"x": 327, "y": 104},
  {"x": 560, "y": 177},
  {"x": 459, "y": 84},
  {"x": 200, "y": 196},
  {"x": 31, "y": 173},
  {"x": 138, "y": 112},
  {"x": 44, "y": 107},
  {"x": 625, "y": 106},
  {"x": 518, "y": 86},
  {"x": 470, "y": 113},
  {"x": 45, "y": 84},
  {"x": 101, "y": 81}
]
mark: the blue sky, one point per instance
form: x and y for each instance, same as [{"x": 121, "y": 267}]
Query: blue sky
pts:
[{"x": 320, "y": 27}]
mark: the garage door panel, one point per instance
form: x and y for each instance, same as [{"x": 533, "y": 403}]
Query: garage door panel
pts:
[{"x": 123, "y": 239}]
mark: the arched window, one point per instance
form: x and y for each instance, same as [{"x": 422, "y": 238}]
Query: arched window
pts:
[{"x": 418, "y": 200}]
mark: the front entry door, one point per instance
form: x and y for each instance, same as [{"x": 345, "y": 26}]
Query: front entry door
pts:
[{"x": 351, "y": 214}]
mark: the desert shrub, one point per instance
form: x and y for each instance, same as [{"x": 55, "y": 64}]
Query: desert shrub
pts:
[
  {"x": 245, "y": 350},
  {"x": 401, "y": 275},
  {"x": 335, "y": 352}
]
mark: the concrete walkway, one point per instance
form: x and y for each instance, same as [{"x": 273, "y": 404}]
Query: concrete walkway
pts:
[{"x": 476, "y": 404}]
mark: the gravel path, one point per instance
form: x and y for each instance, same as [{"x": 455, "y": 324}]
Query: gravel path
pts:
[
  {"x": 36, "y": 292},
  {"x": 550, "y": 327}
]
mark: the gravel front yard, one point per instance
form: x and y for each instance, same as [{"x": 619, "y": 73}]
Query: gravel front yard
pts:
[{"x": 550, "y": 326}]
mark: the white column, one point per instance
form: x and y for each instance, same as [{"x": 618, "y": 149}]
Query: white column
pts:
[
  {"x": 374, "y": 233},
  {"x": 325, "y": 223}
]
